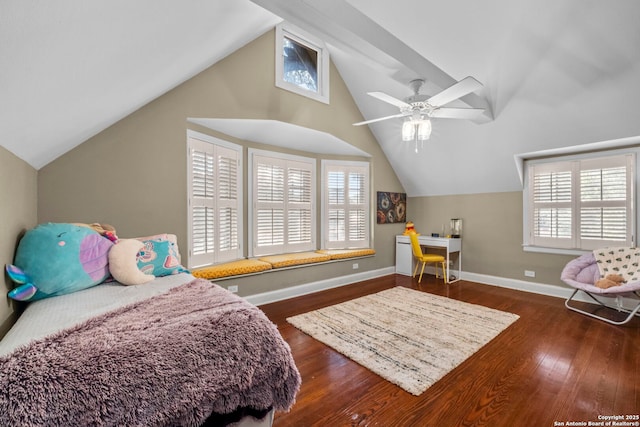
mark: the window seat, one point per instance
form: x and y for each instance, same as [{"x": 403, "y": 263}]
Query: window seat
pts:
[
  {"x": 234, "y": 268},
  {"x": 347, "y": 253},
  {"x": 297, "y": 258},
  {"x": 273, "y": 262}
]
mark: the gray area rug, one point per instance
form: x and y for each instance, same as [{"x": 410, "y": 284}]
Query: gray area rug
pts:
[{"x": 408, "y": 337}]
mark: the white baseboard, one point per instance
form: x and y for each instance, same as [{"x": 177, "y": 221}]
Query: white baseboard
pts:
[
  {"x": 485, "y": 279},
  {"x": 519, "y": 285},
  {"x": 541, "y": 288},
  {"x": 309, "y": 288}
]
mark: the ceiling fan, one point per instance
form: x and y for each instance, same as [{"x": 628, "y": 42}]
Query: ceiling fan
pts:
[{"x": 419, "y": 106}]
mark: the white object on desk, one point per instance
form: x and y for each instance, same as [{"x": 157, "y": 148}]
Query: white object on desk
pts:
[{"x": 405, "y": 259}]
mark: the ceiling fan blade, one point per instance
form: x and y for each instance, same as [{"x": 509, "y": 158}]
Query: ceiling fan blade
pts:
[
  {"x": 456, "y": 113},
  {"x": 389, "y": 99},
  {"x": 457, "y": 90},
  {"x": 379, "y": 119}
]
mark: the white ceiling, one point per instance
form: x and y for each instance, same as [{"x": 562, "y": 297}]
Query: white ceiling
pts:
[
  {"x": 281, "y": 134},
  {"x": 556, "y": 73},
  {"x": 70, "y": 69}
]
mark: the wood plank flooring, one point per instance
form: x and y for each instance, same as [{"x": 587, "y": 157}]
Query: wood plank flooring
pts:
[{"x": 551, "y": 367}]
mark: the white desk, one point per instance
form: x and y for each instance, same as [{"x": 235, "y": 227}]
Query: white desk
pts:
[{"x": 405, "y": 259}]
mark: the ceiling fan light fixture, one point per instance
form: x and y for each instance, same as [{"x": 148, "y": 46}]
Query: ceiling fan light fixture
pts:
[
  {"x": 416, "y": 129},
  {"x": 408, "y": 130},
  {"x": 424, "y": 130}
]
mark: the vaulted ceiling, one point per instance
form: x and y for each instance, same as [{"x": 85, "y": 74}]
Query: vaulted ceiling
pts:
[{"x": 556, "y": 73}]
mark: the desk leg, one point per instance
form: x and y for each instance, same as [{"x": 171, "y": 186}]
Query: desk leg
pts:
[
  {"x": 457, "y": 279},
  {"x": 446, "y": 273}
]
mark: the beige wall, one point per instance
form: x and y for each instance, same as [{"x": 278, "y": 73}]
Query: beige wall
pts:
[
  {"x": 18, "y": 192},
  {"x": 491, "y": 234},
  {"x": 133, "y": 174}
]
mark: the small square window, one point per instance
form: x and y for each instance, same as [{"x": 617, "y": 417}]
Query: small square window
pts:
[{"x": 302, "y": 64}]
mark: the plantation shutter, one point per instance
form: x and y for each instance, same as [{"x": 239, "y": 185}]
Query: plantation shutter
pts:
[
  {"x": 202, "y": 206},
  {"x": 552, "y": 219},
  {"x": 605, "y": 202},
  {"x": 283, "y": 205},
  {"x": 358, "y": 223},
  {"x": 227, "y": 204},
  {"x": 337, "y": 227},
  {"x": 299, "y": 207},
  {"x": 269, "y": 206},
  {"x": 213, "y": 203},
  {"x": 346, "y": 205},
  {"x": 582, "y": 204}
]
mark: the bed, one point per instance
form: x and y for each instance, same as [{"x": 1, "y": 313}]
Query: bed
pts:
[
  {"x": 583, "y": 272},
  {"x": 175, "y": 351}
]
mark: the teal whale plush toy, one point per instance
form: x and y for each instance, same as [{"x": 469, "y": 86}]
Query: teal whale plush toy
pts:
[{"x": 58, "y": 258}]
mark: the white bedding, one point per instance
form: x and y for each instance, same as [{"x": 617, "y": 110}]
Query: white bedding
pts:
[{"x": 44, "y": 317}]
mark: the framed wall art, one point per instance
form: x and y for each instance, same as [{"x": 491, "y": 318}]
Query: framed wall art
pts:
[{"x": 392, "y": 207}]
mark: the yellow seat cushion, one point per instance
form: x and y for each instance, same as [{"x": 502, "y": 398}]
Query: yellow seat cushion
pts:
[
  {"x": 234, "y": 268},
  {"x": 346, "y": 253},
  {"x": 287, "y": 260}
]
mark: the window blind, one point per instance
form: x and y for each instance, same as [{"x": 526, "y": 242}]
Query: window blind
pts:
[
  {"x": 283, "y": 204},
  {"x": 552, "y": 190},
  {"x": 346, "y": 214},
  {"x": 582, "y": 204},
  {"x": 213, "y": 203},
  {"x": 603, "y": 202}
]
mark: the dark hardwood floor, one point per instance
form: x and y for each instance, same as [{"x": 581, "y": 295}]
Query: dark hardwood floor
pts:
[{"x": 552, "y": 366}]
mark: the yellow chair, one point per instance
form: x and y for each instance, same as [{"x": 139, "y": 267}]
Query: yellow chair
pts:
[{"x": 426, "y": 258}]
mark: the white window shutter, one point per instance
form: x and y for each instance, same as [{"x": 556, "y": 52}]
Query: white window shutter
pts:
[
  {"x": 269, "y": 185},
  {"x": 358, "y": 221},
  {"x": 214, "y": 202},
  {"x": 605, "y": 202},
  {"x": 346, "y": 219},
  {"x": 227, "y": 204},
  {"x": 283, "y": 208},
  {"x": 299, "y": 207},
  {"x": 201, "y": 203},
  {"x": 552, "y": 204},
  {"x": 336, "y": 213},
  {"x": 582, "y": 204}
]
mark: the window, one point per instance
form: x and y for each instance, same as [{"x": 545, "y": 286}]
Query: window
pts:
[
  {"x": 302, "y": 63},
  {"x": 583, "y": 203},
  {"x": 215, "y": 200},
  {"x": 345, "y": 218},
  {"x": 282, "y": 192}
]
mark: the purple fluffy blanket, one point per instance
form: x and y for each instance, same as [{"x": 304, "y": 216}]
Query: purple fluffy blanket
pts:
[{"x": 170, "y": 360}]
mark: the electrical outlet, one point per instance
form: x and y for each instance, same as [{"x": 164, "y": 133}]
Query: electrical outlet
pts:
[
  {"x": 355, "y": 265},
  {"x": 233, "y": 288},
  {"x": 530, "y": 273}
]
